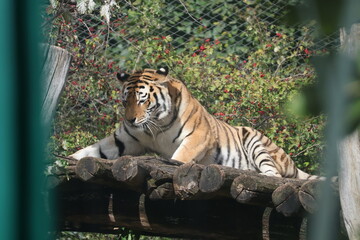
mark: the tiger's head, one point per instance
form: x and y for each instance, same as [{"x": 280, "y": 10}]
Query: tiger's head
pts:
[{"x": 145, "y": 96}]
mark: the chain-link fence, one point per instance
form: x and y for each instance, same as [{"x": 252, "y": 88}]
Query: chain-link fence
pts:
[{"x": 134, "y": 22}]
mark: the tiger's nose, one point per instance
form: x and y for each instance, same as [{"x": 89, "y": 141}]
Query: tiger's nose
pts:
[{"x": 132, "y": 120}]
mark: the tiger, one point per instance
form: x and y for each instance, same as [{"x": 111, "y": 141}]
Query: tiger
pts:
[{"x": 162, "y": 117}]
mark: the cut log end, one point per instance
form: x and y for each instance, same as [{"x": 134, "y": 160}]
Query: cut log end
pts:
[
  {"x": 212, "y": 179},
  {"x": 286, "y": 199},
  {"x": 127, "y": 170},
  {"x": 186, "y": 181},
  {"x": 249, "y": 189},
  {"x": 87, "y": 168},
  {"x": 307, "y": 196}
]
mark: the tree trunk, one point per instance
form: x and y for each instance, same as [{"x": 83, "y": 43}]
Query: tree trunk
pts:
[
  {"x": 349, "y": 149},
  {"x": 349, "y": 183},
  {"x": 55, "y": 68}
]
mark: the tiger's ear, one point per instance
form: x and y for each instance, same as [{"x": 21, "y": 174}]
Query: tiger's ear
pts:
[
  {"x": 163, "y": 70},
  {"x": 122, "y": 77}
]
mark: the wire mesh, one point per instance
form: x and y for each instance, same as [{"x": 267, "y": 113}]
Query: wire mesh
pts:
[{"x": 184, "y": 21}]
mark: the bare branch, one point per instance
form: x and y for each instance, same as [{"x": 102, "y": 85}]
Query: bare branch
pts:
[{"x": 188, "y": 13}]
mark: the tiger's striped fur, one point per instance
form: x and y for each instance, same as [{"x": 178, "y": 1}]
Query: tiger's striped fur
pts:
[{"x": 162, "y": 116}]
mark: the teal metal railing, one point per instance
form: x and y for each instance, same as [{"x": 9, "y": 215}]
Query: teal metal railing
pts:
[{"x": 22, "y": 211}]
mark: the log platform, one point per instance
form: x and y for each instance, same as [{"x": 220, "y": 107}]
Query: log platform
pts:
[{"x": 154, "y": 196}]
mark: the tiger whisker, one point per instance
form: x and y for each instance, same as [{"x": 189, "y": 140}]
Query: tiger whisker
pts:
[
  {"x": 155, "y": 125},
  {"x": 153, "y": 128},
  {"x": 149, "y": 128}
]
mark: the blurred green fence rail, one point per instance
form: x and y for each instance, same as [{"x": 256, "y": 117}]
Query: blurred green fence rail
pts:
[{"x": 22, "y": 134}]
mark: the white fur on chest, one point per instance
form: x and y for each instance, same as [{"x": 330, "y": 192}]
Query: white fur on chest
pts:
[{"x": 159, "y": 142}]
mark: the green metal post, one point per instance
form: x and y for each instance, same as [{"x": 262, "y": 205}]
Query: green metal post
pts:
[
  {"x": 7, "y": 124},
  {"x": 22, "y": 135},
  {"x": 336, "y": 73}
]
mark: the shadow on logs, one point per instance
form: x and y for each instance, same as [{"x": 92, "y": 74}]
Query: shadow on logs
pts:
[{"x": 286, "y": 199}]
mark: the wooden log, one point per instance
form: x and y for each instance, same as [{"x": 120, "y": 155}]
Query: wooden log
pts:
[
  {"x": 216, "y": 180},
  {"x": 163, "y": 192},
  {"x": 307, "y": 196},
  {"x": 286, "y": 199},
  {"x": 310, "y": 193},
  {"x": 127, "y": 170},
  {"x": 253, "y": 190},
  {"x": 161, "y": 173},
  {"x": 89, "y": 168},
  {"x": 186, "y": 181},
  {"x": 154, "y": 176},
  {"x": 135, "y": 171},
  {"x": 257, "y": 189},
  {"x": 101, "y": 171},
  {"x": 212, "y": 179}
]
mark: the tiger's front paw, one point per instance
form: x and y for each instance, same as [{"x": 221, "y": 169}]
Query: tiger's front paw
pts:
[
  {"x": 175, "y": 162},
  {"x": 271, "y": 174},
  {"x": 89, "y": 151},
  {"x": 75, "y": 156}
]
